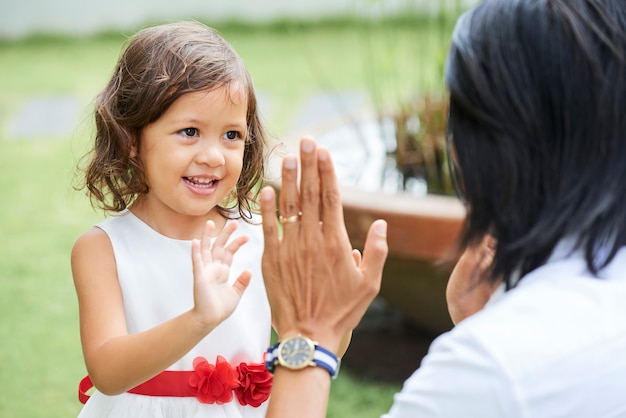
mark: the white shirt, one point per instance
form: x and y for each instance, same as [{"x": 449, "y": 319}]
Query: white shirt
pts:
[{"x": 554, "y": 346}]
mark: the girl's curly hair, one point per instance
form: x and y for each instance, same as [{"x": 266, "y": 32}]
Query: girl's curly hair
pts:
[{"x": 159, "y": 65}]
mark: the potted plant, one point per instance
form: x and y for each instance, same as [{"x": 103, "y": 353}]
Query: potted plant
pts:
[{"x": 422, "y": 230}]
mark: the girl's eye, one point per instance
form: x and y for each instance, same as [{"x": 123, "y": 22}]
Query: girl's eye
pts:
[
  {"x": 232, "y": 135},
  {"x": 189, "y": 132}
]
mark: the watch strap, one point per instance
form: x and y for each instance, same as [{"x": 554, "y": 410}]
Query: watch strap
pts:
[
  {"x": 321, "y": 357},
  {"x": 271, "y": 357},
  {"x": 326, "y": 360}
]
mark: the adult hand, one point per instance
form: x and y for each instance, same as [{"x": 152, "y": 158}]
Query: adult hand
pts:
[
  {"x": 469, "y": 287},
  {"x": 317, "y": 285}
]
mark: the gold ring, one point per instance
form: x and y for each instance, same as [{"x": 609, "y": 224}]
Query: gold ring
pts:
[{"x": 289, "y": 219}]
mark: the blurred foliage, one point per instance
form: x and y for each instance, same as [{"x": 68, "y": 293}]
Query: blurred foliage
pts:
[{"x": 406, "y": 82}]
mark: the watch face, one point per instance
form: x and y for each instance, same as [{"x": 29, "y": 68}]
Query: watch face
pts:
[{"x": 296, "y": 353}]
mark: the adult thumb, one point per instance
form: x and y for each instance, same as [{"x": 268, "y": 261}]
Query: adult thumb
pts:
[{"x": 375, "y": 251}]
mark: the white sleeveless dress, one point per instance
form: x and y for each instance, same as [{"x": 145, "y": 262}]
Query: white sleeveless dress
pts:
[{"x": 155, "y": 275}]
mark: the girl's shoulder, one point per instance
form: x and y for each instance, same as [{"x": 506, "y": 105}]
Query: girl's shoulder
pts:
[{"x": 94, "y": 237}]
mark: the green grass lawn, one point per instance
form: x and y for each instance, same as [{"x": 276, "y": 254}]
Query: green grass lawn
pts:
[{"x": 41, "y": 215}]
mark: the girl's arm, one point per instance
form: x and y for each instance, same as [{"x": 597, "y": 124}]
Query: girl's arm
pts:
[{"x": 118, "y": 361}]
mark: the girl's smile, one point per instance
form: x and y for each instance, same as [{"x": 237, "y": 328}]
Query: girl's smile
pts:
[{"x": 201, "y": 185}]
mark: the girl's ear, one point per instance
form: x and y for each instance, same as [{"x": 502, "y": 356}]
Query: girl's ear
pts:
[{"x": 134, "y": 149}]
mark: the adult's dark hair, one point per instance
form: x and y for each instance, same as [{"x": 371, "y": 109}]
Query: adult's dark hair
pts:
[
  {"x": 159, "y": 65},
  {"x": 537, "y": 128}
]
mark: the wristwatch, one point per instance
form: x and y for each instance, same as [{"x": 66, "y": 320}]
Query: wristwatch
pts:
[{"x": 298, "y": 352}]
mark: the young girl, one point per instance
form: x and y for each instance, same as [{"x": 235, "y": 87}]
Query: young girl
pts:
[{"x": 166, "y": 328}]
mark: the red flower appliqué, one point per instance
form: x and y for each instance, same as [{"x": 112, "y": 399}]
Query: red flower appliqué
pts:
[
  {"x": 255, "y": 384},
  {"x": 210, "y": 383},
  {"x": 213, "y": 383}
]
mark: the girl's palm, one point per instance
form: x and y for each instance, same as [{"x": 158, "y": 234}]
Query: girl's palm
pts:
[{"x": 214, "y": 298}]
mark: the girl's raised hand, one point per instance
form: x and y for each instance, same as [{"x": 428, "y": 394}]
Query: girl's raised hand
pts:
[{"x": 214, "y": 298}]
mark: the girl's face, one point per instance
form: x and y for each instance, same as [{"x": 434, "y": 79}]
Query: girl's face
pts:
[{"x": 193, "y": 154}]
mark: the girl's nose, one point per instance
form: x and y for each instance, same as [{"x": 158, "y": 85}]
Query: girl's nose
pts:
[{"x": 210, "y": 153}]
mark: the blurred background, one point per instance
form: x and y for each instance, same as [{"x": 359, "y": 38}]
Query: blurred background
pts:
[{"x": 315, "y": 65}]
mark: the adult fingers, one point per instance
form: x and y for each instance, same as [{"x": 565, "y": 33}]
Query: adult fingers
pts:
[
  {"x": 289, "y": 198},
  {"x": 331, "y": 207},
  {"x": 270, "y": 223},
  {"x": 309, "y": 184},
  {"x": 375, "y": 253},
  {"x": 356, "y": 256}
]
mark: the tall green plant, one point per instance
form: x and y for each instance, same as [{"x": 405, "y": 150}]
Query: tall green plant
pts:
[{"x": 404, "y": 64}]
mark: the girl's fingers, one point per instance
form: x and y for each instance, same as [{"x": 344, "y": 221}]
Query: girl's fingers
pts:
[
  {"x": 196, "y": 257},
  {"x": 242, "y": 282},
  {"x": 232, "y": 248},
  {"x": 225, "y": 234},
  {"x": 221, "y": 251},
  {"x": 205, "y": 242}
]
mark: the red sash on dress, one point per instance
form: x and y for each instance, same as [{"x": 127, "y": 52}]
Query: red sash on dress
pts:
[{"x": 251, "y": 383}]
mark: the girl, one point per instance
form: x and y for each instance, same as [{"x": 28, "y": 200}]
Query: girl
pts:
[{"x": 179, "y": 151}]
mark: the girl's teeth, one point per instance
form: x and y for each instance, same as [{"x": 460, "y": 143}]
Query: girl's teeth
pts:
[
  {"x": 200, "y": 181},
  {"x": 197, "y": 180}
]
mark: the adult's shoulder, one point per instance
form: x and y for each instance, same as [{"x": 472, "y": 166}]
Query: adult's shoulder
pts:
[{"x": 460, "y": 376}]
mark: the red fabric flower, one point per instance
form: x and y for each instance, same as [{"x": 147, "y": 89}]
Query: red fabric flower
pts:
[
  {"x": 213, "y": 383},
  {"x": 255, "y": 384}
]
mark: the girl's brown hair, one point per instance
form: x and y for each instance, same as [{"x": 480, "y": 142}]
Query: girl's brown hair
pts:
[{"x": 158, "y": 66}]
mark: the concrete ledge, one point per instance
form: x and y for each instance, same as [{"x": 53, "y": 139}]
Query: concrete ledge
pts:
[
  {"x": 418, "y": 227},
  {"x": 422, "y": 231}
]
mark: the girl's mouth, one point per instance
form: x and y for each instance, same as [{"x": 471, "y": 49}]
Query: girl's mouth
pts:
[{"x": 199, "y": 182}]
